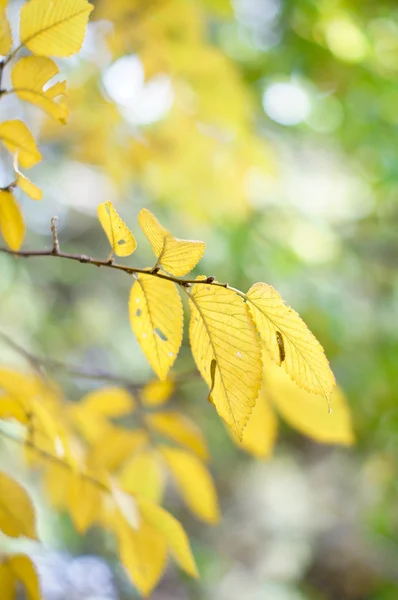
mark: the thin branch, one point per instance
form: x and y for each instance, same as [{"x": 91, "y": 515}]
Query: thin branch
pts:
[
  {"x": 82, "y": 258},
  {"x": 26, "y": 443},
  {"x": 39, "y": 362}
]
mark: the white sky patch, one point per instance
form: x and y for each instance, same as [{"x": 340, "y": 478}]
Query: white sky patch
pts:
[
  {"x": 286, "y": 103},
  {"x": 140, "y": 102}
]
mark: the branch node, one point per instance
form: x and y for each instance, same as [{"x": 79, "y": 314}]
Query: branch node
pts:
[
  {"x": 84, "y": 259},
  {"x": 54, "y": 225},
  {"x": 210, "y": 279}
]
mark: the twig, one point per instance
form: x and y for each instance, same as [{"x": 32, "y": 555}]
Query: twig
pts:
[
  {"x": 82, "y": 258},
  {"x": 51, "y": 457}
]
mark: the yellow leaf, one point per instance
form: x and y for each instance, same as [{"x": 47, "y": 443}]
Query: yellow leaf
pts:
[
  {"x": 55, "y": 28},
  {"x": 143, "y": 553},
  {"x": 17, "y": 516},
  {"x": 12, "y": 408},
  {"x": 305, "y": 412},
  {"x": 84, "y": 500},
  {"x": 5, "y": 33},
  {"x": 108, "y": 402},
  {"x": 289, "y": 341},
  {"x": 227, "y": 352},
  {"x": 261, "y": 430},
  {"x": 155, "y": 392},
  {"x": 16, "y": 137},
  {"x": 180, "y": 429},
  {"x": 25, "y": 572},
  {"x": 143, "y": 476},
  {"x": 120, "y": 445},
  {"x": 173, "y": 532},
  {"x": 176, "y": 256},
  {"x": 194, "y": 483},
  {"x": 156, "y": 318},
  {"x": 28, "y": 187},
  {"x": 119, "y": 235},
  {"x": 12, "y": 225},
  {"x": 127, "y": 506},
  {"x": 7, "y": 580},
  {"x": 30, "y": 75}
]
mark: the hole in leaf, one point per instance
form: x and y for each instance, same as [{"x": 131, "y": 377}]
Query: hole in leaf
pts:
[
  {"x": 138, "y": 312},
  {"x": 160, "y": 334},
  {"x": 121, "y": 242}
]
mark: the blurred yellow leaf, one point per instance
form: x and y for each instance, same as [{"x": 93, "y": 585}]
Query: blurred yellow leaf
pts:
[
  {"x": 142, "y": 475},
  {"x": 7, "y": 581},
  {"x": 120, "y": 445},
  {"x": 5, "y": 32},
  {"x": 17, "y": 516},
  {"x": 194, "y": 483},
  {"x": 305, "y": 412},
  {"x": 25, "y": 573},
  {"x": 18, "y": 569},
  {"x": 176, "y": 256},
  {"x": 143, "y": 553},
  {"x": 28, "y": 187},
  {"x": 119, "y": 235},
  {"x": 156, "y": 318},
  {"x": 173, "y": 532},
  {"x": 289, "y": 341},
  {"x": 261, "y": 430},
  {"x": 108, "y": 402},
  {"x": 12, "y": 225},
  {"x": 30, "y": 75},
  {"x": 227, "y": 352},
  {"x": 180, "y": 429},
  {"x": 84, "y": 500},
  {"x": 155, "y": 392},
  {"x": 54, "y": 28},
  {"x": 16, "y": 137},
  {"x": 12, "y": 408}
]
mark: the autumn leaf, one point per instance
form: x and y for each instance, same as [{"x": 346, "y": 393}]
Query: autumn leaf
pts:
[
  {"x": 119, "y": 235},
  {"x": 222, "y": 334},
  {"x": 142, "y": 475},
  {"x": 17, "y": 515},
  {"x": 155, "y": 392},
  {"x": 12, "y": 225},
  {"x": 179, "y": 429},
  {"x": 194, "y": 483},
  {"x": 18, "y": 569},
  {"x": 120, "y": 445},
  {"x": 84, "y": 499},
  {"x": 303, "y": 411},
  {"x": 16, "y": 137},
  {"x": 24, "y": 183},
  {"x": 55, "y": 28},
  {"x": 173, "y": 532},
  {"x": 5, "y": 33},
  {"x": 176, "y": 256},
  {"x": 156, "y": 318},
  {"x": 108, "y": 402},
  {"x": 142, "y": 552},
  {"x": 261, "y": 430},
  {"x": 29, "y": 77},
  {"x": 289, "y": 341}
]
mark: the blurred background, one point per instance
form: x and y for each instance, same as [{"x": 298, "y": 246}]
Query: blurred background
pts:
[{"x": 266, "y": 128}]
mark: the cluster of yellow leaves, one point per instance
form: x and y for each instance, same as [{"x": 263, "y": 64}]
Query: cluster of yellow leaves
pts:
[
  {"x": 118, "y": 485},
  {"x": 47, "y": 28},
  {"x": 17, "y": 519},
  {"x": 229, "y": 330}
]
